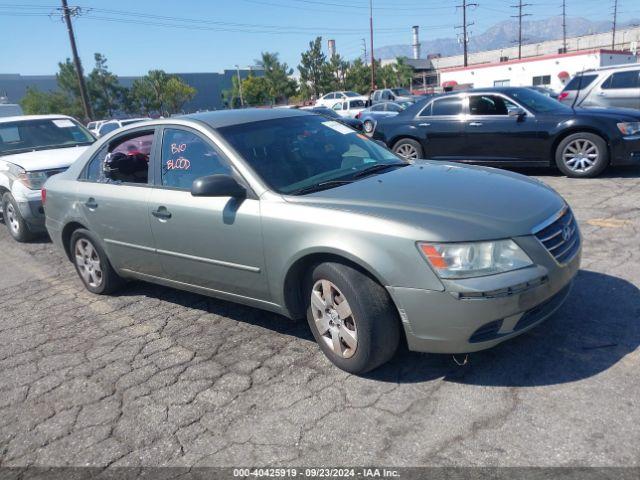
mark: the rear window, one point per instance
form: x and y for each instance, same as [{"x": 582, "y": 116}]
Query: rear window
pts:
[{"x": 582, "y": 81}]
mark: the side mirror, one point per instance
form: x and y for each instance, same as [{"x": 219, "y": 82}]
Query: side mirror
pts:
[
  {"x": 518, "y": 113},
  {"x": 217, "y": 186}
]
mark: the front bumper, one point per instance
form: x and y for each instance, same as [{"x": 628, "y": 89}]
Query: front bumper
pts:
[
  {"x": 626, "y": 151},
  {"x": 475, "y": 314},
  {"x": 30, "y": 205}
]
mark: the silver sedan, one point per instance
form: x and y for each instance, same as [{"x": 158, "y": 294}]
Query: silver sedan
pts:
[{"x": 300, "y": 215}]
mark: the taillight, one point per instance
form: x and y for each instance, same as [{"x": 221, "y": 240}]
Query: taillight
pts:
[
  {"x": 43, "y": 193},
  {"x": 563, "y": 95}
]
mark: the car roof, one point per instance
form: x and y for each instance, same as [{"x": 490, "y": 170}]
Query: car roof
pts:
[
  {"x": 626, "y": 66},
  {"x": 19, "y": 118},
  {"x": 225, "y": 118}
]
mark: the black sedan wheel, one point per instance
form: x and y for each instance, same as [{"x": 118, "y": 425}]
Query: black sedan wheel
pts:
[
  {"x": 368, "y": 126},
  {"x": 409, "y": 149},
  {"x": 582, "y": 155}
]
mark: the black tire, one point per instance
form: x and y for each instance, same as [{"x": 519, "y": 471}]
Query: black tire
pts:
[
  {"x": 408, "y": 148},
  {"x": 110, "y": 281},
  {"x": 368, "y": 127},
  {"x": 594, "y": 144},
  {"x": 17, "y": 226},
  {"x": 372, "y": 312}
]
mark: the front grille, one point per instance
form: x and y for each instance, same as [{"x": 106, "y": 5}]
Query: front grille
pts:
[{"x": 561, "y": 238}]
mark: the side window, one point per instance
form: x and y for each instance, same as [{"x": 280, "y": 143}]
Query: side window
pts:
[
  {"x": 447, "y": 106},
  {"x": 337, "y": 106},
  {"x": 392, "y": 107},
  {"x": 386, "y": 95},
  {"x": 487, "y": 105},
  {"x": 107, "y": 128},
  {"x": 186, "y": 157},
  {"x": 628, "y": 79},
  {"x": 345, "y": 105},
  {"x": 376, "y": 95},
  {"x": 124, "y": 160},
  {"x": 426, "y": 111},
  {"x": 378, "y": 107}
]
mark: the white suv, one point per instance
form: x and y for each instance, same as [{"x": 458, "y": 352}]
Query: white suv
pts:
[{"x": 32, "y": 149}]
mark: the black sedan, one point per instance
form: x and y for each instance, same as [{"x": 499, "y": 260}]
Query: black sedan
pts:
[
  {"x": 515, "y": 127},
  {"x": 329, "y": 113}
]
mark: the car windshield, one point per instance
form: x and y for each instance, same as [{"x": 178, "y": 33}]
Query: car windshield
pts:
[
  {"x": 297, "y": 153},
  {"x": 401, "y": 91},
  {"x": 537, "y": 102},
  {"x": 26, "y": 135},
  {"x": 327, "y": 112},
  {"x": 352, "y": 94}
]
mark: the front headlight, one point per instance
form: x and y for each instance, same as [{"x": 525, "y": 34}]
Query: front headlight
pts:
[
  {"x": 629, "y": 128},
  {"x": 32, "y": 180},
  {"x": 474, "y": 259}
]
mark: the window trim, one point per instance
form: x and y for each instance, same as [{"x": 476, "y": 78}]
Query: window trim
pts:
[{"x": 82, "y": 176}]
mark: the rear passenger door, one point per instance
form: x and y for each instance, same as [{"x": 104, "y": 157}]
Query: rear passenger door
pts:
[
  {"x": 440, "y": 127},
  {"x": 621, "y": 89},
  {"x": 115, "y": 207},
  {"x": 210, "y": 242}
]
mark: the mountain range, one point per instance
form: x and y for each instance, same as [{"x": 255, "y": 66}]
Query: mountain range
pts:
[{"x": 502, "y": 35}]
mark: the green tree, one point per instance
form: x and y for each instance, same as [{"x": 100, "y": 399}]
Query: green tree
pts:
[
  {"x": 177, "y": 93},
  {"x": 67, "y": 80},
  {"x": 256, "y": 91},
  {"x": 386, "y": 76},
  {"x": 314, "y": 74},
  {"x": 358, "y": 77},
  {"x": 276, "y": 75},
  {"x": 104, "y": 89},
  {"x": 143, "y": 96},
  {"x": 36, "y": 102},
  {"x": 404, "y": 72},
  {"x": 337, "y": 69}
]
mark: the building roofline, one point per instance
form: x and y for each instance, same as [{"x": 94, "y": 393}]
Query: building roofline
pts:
[{"x": 538, "y": 58}]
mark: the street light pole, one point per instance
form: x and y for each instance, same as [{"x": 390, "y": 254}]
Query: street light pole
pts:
[
  {"x": 240, "y": 86},
  {"x": 373, "y": 60}
]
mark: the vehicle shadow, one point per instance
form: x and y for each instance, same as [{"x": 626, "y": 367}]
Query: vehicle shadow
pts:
[
  {"x": 596, "y": 327},
  {"x": 611, "y": 172}
]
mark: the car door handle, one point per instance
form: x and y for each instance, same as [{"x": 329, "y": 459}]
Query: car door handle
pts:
[
  {"x": 161, "y": 213},
  {"x": 475, "y": 124},
  {"x": 602, "y": 94},
  {"x": 424, "y": 124},
  {"x": 91, "y": 204}
]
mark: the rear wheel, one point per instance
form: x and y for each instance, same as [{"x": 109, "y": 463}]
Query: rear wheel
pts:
[
  {"x": 92, "y": 264},
  {"x": 17, "y": 226},
  {"x": 582, "y": 155},
  {"x": 352, "y": 317},
  {"x": 368, "y": 126},
  {"x": 408, "y": 148}
]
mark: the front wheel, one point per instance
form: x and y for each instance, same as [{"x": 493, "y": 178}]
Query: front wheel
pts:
[
  {"x": 352, "y": 317},
  {"x": 17, "y": 226},
  {"x": 92, "y": 264},
  {"x": 368, "y": 126},
  {"x": 582, "y": 155},
  {"x": 409, "y": 149}
]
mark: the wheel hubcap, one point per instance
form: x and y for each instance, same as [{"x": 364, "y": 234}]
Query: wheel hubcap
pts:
[
  {"x": 88, "y": 263},
  {"x": 334, "y": 319},
  {"x": 580, "y": 155},
  {"x": 407, "y": 151},
  {"x": 368, "y": 127},
  {"x": 12, "y": 218}
]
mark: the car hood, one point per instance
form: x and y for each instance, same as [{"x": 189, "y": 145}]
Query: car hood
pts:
[
  {"x": 614, "y": 113},
  {"x": 448, "y": 202},
  {"x": 45, "y": 159}
]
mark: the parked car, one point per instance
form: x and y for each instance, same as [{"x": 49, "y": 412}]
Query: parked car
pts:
[
  {"x": 111, "y": 125},
  {"x": 331, "y": 114},
  {"x": 607, "y": 87},
  {"x": 349, "y": 108},
  {"x": 517, "y": 127},
  {"x": 32, "y": 149},
  {"x": 94, "y": 127},
  {"x": 545, "y": 91},
  {"x": 285, "y": 211},
  {"x": 393, "y": 95},
  {"x": 370, "y": 116},
  {"x": 330, "y": 99},
  {"x": 10, "y": 110}
]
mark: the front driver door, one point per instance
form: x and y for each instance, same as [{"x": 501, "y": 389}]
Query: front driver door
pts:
[{"x": 209, "y": 242}]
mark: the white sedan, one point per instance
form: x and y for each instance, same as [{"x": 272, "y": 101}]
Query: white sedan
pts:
[
  {"x": 349, "y": 108},
  {"x": 330, "y": 99}
]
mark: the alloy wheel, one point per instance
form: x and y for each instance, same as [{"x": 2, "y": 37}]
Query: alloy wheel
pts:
[
  {"x": 12, "y": 218},
  {"x": 368, "y": 126},
  {"x": 407, "y": 150},
  {"x": 334, "y": 319},
  {"x": 580, "y": 155},
  {"x": 88, "y": 263}
]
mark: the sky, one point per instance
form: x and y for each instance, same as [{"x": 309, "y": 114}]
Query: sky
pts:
[{"x": 213, "y": 35}]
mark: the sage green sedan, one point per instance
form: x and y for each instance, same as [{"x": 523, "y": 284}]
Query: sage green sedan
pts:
[{"x": 294, "y": 213}]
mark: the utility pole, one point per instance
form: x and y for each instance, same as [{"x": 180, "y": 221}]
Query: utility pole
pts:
[
  {"x": 519, "y": 16},
  {"x": 465, "y": 25},
  {"x": 364, "y": 51},
  {"x": 615, "y": 22},
  {"x": 239, "y": 85},
  {"x": 66, "y": 13},
  {"x": 564, "y": 26},
  {"x": 373, "y": 60}
]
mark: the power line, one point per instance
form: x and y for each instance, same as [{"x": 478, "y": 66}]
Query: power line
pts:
[
  {"x": 519, "y": 16},
  {"x": 465, "y": 25}
]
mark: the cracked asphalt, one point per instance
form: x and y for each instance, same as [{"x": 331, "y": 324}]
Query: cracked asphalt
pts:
[{"x": 155, "y": 376}]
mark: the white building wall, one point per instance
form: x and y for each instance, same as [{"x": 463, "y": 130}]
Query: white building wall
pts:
[{"x": 522, "y": 73}]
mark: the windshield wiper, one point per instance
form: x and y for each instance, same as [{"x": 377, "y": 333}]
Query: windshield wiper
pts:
[
  {"x": 377, "y": 168},
  {"x": 317, "y": 187}
]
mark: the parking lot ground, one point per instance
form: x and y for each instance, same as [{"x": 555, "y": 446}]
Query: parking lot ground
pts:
[{"x": 154, "y": 376}]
